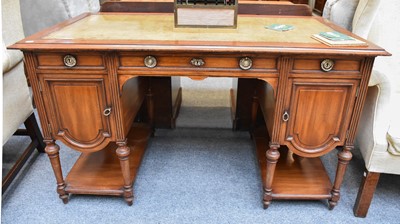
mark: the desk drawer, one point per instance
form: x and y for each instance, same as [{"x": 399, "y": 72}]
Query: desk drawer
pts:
[
  {"x": 306, "y": 65},
  {"x": 196, "y": 62},
  {"x": 70, "y": 61}
]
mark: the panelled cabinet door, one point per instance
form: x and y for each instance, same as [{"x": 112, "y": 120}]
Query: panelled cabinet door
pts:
[
  {"x": 317, "y": 114},
  {"x": 80, "y": 110}
]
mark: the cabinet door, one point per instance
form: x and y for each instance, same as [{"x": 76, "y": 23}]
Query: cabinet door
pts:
[
  {"x": 80, "y": 110},
  {"x": 317, "y": 114}
]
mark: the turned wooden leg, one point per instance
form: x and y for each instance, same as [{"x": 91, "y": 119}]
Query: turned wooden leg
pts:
[
  {"x": 272, "y": 158},
  {"x": 365, "y": 193},
  {"x": 344, "y": 157},
  {"x": 123, "y": 152},
  {"x": 52, "y": 150}
]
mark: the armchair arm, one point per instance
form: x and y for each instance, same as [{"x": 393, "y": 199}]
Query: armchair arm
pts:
[
  {"x": 10, "y": 58},
  {"x": 375, "y": 119},
  {"x": 17, "y": 103}
]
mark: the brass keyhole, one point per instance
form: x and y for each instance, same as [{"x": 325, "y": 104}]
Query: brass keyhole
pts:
[
  {"x": 198, "y": 62},
  {"x": 285, "y": 116},
  {"x": 107, "y": 112}
]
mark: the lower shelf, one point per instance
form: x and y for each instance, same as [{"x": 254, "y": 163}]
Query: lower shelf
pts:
[
  {"x": 100, "y": 172},
  {"x": 295, "y": 177}
]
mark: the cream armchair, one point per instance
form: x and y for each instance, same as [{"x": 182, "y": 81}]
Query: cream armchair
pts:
[
  {"x": 17, "y": 103},
  {"x": 378, "y": 136}
]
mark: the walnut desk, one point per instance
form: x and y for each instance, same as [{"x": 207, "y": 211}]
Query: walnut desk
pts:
[{"x": 90, "y": 77}]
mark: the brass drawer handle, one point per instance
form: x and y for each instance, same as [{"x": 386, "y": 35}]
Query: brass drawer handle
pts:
[
  {"x": 69, "y": 61},
  {"x": 245, "y": 63},
  {"x": 150, "y": 61},
  {"x": 327, "y": 65},
  {"x": 285, "y": 116},
  {"x": 197, "y": 62},
  {"x": 107, "y": 112}
]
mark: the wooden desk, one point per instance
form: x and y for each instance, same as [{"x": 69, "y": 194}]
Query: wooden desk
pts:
[{"x": 89, "y": 77}]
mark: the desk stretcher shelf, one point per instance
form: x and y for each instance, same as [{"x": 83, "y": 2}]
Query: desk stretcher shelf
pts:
[
  {"x": 100, "y": 172},
  {"x": 295, "y": 177}
]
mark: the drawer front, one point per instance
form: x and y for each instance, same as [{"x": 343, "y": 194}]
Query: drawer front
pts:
[
  {"x": 70, "y": 61},
  {"x": 333, "y": 65},
  {"x": 198, "y": 62}
]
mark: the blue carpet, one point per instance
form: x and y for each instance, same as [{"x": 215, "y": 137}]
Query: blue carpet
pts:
[{"x": 191, "y": 175}]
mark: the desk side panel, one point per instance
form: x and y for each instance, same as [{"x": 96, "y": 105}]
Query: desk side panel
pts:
[
  {"x": 267, "y": 102},
  {"x": 132, "y": 97}
]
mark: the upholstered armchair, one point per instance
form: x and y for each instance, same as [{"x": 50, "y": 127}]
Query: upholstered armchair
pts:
[
  {"x": 378, "y": 136},
  {"x": 17, "y": 102}
]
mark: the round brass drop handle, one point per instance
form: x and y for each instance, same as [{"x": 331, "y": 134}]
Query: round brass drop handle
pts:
[
  {"x": 69, "y": 61},
  {"x": 150, "y": 61},
  {"x": 245, "y": 63},
  {"x": 327, "y": 65}
]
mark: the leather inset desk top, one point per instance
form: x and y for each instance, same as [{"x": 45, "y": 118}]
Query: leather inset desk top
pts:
[{"x": 161, "y": 28}]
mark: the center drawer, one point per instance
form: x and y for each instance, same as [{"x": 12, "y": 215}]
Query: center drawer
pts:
[{"x": 197, "y": 62}]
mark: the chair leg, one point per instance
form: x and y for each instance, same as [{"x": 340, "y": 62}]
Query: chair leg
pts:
[
  {"x": 365, "y": 193},
  {"x": 33, "y": 131}
]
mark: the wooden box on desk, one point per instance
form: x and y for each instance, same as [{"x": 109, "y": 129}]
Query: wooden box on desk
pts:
[{"x": 205, "y": 13}]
